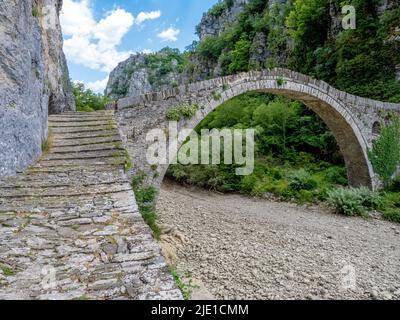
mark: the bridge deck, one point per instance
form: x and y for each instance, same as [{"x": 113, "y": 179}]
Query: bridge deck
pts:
[{"x": 70, "y": 227}]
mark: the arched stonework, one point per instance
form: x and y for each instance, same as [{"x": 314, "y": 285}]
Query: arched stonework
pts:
[{"x": 350, "y": 118}]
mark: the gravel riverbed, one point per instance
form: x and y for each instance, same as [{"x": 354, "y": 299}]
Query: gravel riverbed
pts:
[{"x": 237, "y": 247}]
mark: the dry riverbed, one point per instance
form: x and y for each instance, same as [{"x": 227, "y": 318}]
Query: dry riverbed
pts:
[{"x": 237, "y": 247}]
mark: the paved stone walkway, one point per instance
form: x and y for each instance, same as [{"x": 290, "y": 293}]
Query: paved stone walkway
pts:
[{"x": 70, "y": 227}]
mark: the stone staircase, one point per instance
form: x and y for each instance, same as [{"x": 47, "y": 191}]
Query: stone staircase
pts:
[{"x": 69, "y": 225}]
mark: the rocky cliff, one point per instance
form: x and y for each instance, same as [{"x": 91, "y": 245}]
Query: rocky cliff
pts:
[
  {"x": 143, "y": 73},
  {"x": 34, "y": 79},
  {"x": 218, "y": 17},
  {"x": 243, "y": 35}
]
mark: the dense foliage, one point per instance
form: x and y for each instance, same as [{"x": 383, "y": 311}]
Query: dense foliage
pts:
[
  {"x": 385, "y": 153},
  {"x": 145, "y": 197},
  {"x": 302, "y": 36},
  {"x": 182, "y": 112},
  {"x": 352, "y": 201},
  {"x": 296, "y": 156},
  {"x": 86, "y": 100}
]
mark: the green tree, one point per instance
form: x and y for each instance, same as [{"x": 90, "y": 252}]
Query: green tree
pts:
[
  {"x": 86, "y": 100},
  {"x": 385, "y": 153},
  {"x": 308, "y": 25},
  {"x": 240, "y": 56}
]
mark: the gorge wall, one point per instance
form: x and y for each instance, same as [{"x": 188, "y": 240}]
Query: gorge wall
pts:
[
  {"x": 34, "y": 79},
  {"x": 242, "y": 35},
  {"x": 143, "y": 73}
]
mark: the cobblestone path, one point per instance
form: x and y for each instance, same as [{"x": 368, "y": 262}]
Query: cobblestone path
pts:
[{"x": 70, "y": 227}]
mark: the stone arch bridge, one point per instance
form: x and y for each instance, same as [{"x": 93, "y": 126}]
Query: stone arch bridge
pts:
[{"x": 354, "y": 121}]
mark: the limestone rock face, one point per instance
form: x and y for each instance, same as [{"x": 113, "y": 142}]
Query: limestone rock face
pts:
[
  {"x": 34, "y": 79},
  {"x": 142, "y": 73},
  {"x": 139, "y": 74},
  {"x": 259, "y": 50},
  {"x": 215, "y": 21}
]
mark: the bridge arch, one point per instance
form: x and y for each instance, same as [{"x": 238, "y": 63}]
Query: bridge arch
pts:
[{"x": 350, "y": 118}]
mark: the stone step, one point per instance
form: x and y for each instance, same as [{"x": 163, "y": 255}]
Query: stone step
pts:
[
  {"x": 94, "y": 118},
  {"x": 83, "y": 115},
  {"x": 85, "y": 135},
  {"x": 78, "y": 113},
  {"x": 86, "y": 174},
  {"x": 90, "y": 154},
  {"x": 70, "y": 182},
  {"x": 65, "y": 191},
  {"x": 83, "y": 203},
  {"x": 80, "y": 124},
  {"x": 86, "y": 204},
  {"x": 59, "y": 143},
  {"x": 112, "y": 168},
  {"x": 84, "y": 129},
  {"x": 85, "y": 148},
  {"x": 75, "y": 163}
]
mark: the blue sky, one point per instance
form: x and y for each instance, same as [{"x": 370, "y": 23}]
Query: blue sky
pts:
[{"x": 100, "y": 33}]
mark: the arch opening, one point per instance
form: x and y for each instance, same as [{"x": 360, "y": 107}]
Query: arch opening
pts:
[
  {"x": 333, "y": 114},
  {"x": 293, "y": 144}
]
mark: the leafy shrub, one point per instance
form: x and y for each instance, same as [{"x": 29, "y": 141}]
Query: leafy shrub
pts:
[
  {"x": 391, "y": 199},
  {"x": 217, "y": 9},
  {"x": 280, "y": 82},
  {"x": 248, "y": 183},
  {"x": 301, "y": 180},
  {"x": 391, "y": 206},
  {"x": 346, "y": 201},
  {"x": 145, "y": 195},
  {"x": 392, "y": 214},
  {"x": 385, "y": 153},
  {"x": 150, "y": 216},
  {"x": 370, "y": 199},
  {"x": 184, "y": 111},
  {"x": 336, "y": 175},
  {"x": 352, "y": 201},
  {"x": 216, "y": 95},
  {"x": 305, "y": 196},
  {"x": 36, "y": 12}
]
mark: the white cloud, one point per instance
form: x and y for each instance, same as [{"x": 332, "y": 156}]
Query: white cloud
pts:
[
  {"x": 94, "y": 43},
  {"x": 147, "y": 51},
  {"x": 98, "y": 86},
  {"x": 143, "y": 16},
  {"x": 169, "y": 34},
  {"x": 77, "y": 18}
]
